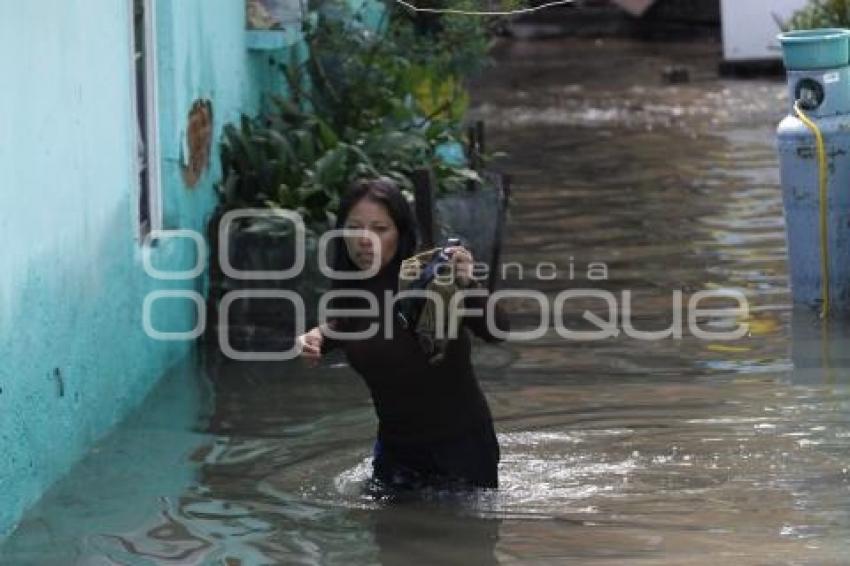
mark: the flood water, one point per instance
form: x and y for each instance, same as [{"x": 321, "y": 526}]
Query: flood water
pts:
[{"x": 674, "y": 451}]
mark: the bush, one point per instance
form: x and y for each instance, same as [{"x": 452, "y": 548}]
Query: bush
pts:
[
  {"x": 377, "y": 103},
  {"x": 820, "y": 14}
]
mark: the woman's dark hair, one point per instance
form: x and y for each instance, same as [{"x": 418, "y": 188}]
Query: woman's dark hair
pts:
[{"x": 385, "y": 191}]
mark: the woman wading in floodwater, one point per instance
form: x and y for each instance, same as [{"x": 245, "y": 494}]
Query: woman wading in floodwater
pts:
[{"x": 434, "y": 424}]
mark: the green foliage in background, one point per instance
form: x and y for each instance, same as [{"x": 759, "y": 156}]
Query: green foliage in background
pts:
[
  {"x": 820, "y": 14},
  {"x": 363, "y": 103}
]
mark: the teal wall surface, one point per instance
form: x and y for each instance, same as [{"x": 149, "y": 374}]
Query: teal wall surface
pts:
[
  {"x": 75, "y": 357},
  {"x": 372, "y": 12},
  {"x": 132, "y": 480}
]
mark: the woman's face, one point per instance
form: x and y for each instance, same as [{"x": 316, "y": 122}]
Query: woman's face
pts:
[{"x": 374, "y": 217}]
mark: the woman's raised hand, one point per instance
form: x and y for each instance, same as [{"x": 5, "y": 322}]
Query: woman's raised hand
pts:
[{"x": 311, "y": 346}]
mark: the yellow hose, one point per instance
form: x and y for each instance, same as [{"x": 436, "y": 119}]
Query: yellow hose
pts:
[{"x": 823, "y": 184}]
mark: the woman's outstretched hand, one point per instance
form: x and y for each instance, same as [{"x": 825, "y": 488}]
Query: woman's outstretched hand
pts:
[{"x": 311, "y": 346}]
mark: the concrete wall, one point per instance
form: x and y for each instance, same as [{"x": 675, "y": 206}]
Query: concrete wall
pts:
[{"x": 75, "y": 357}]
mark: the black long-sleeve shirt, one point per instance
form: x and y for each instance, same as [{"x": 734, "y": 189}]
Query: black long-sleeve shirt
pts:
[{"x": 414, "y": 400}]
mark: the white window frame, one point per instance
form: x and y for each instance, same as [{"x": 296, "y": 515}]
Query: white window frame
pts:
[{"x": 151, "y": 126}]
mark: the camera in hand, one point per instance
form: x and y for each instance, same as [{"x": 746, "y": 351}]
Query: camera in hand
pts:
[{"x": 409, "y": 308}]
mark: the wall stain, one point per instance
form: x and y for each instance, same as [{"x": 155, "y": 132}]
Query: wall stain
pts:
[
  {"x": 198, "y": 139},
  {"x": 60, "y": 382}
]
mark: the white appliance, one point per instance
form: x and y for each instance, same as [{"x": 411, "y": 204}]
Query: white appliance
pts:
[{"x": 750, "y": 27}]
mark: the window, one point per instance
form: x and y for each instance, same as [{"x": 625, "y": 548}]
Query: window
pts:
[{"x": 149, "y": 196}]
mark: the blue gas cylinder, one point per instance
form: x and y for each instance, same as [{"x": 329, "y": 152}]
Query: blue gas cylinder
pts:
[{"x": 823, "y": 94}]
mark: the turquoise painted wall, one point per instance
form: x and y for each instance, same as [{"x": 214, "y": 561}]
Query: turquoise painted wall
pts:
[
  {"x": 75, "y": 357},
  {"x": 134, "y": 478}
]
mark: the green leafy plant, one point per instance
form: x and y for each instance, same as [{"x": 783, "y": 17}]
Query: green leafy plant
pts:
[
  {"x": 361, "y": 78},
  {"x": 293, "y": 159},
  {"x": 820, "y": 14},
  {"x": 288, "y": 159},
  {"x": 364, "y": 102}
]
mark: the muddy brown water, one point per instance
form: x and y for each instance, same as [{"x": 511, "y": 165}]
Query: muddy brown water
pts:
[{"x": 672, "y": 451}]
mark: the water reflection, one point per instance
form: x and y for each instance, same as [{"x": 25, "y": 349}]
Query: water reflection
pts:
[{"x": 401, "y": 536}]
